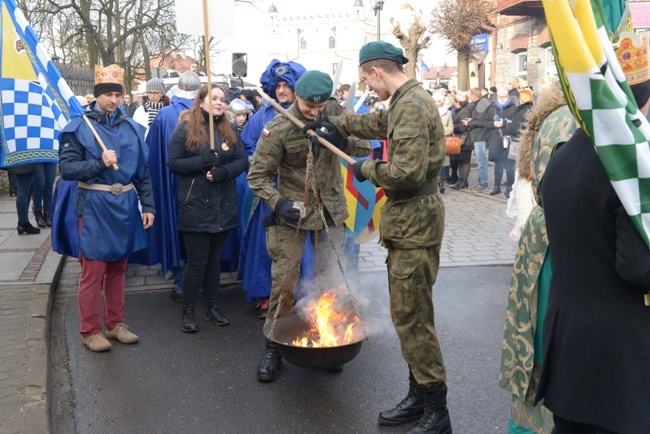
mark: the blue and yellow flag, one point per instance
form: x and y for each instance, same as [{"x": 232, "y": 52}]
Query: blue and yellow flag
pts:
[
  {"x": 600, "y": 98},
  {"x": 35, "y": 101}
]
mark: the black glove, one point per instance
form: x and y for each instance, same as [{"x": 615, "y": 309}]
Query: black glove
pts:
[
  {"x": 210, "y": 159},
  {"x": 285, "y": 209},
  {"x": 356, "y": 167},
  {"x": 332, "y": 135},
  {"x": 314, "y": 125},
  {"x": 219, "y": 174}
]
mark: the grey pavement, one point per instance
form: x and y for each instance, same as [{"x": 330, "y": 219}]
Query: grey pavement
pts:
[{"x": 476, "y": 234}]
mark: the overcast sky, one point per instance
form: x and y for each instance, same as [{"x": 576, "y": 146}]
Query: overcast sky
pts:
[{"x": 250, "y": 17}]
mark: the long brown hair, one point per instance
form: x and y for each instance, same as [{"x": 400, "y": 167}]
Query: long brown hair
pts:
[{"x": 197, "y": 137}]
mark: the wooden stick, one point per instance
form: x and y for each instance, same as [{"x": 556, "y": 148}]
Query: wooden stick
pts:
[
  {"x": 206, "y": 44},
  {"x": 99, "y": 139},
  {"x": 299, "y": 123}
]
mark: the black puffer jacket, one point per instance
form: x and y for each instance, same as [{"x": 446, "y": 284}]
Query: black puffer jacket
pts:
[{"x": 205, "y": 206}]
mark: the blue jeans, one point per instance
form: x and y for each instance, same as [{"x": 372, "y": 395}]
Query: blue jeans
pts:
[
  {"x": 24, "y": 195},
  {"x": 482, "y": 162},
  {"x": 178, "y": 276},
  {"x": 43, "y": 186}
]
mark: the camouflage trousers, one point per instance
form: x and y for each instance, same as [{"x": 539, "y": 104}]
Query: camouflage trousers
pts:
[
  {"x": 285, "y": 251},
  {"x": 411, "y": 275}
]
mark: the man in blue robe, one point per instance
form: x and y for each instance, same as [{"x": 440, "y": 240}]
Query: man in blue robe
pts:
[
  {"x": 110, "y": 224},
  {"x": 165, "y": 248},
  {"x": 278, "y": 81}
]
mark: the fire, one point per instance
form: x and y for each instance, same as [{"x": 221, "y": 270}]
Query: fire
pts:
[{"x": 330, "y": 328}]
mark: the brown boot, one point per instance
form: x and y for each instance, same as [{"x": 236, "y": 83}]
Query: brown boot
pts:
[
  {"x": 96, "y": 342},
  {"x": 121, "y": 333}
]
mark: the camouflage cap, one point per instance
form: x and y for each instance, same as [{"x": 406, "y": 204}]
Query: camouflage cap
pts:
[
  {"x": 381, "y": 50},
  {"x": 314, "y": 86}
]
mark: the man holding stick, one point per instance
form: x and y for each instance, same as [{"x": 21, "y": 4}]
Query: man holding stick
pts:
[
  {"x": 105, "y": 152},
  {"x": 283, "y": 148},
  {"x": 412, "y": 222}
]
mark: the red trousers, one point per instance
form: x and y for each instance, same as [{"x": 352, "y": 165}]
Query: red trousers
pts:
[{"x": 94, "y": 275}]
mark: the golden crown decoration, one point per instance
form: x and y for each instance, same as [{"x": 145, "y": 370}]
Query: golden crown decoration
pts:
[
  {"x": 111, "y": 74},
  {"x": 632, "y": 54}
]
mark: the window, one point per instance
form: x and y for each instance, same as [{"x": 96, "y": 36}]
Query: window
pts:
[
  {"x": 522, "y": 64},
  {"x": 332, "y": 42},
  {"x": 334, "y": 66},
  {"x": 549, "y": 62},
  {"x": 303, "y": 44}
]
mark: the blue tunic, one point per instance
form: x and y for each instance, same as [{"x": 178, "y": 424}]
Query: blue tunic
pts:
[{"x": 112, "y": 225}]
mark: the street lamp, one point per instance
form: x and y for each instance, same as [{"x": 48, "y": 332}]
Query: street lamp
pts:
[{"x": 377, "y": 6}]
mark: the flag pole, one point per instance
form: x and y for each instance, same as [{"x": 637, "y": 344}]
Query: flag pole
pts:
[
  {"x": 99, "y": 139},
  {"x": 206, "y": 40}
]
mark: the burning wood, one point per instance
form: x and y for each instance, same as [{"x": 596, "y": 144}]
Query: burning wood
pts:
[{"x": 329, "y": 326}]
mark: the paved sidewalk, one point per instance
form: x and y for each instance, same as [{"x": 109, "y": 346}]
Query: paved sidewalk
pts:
[{"x": 476, "y": 234}]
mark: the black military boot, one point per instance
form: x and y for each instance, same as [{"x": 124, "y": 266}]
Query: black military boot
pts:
[
  {"x": 436, "y": 416},
  {"x": 188, "y": 322},
  {"x": 411, "y": 407},
  {"x": 271, "y": 363},
  {"x": 48, "y": 218},
  {"x": 215, "y": 315}
]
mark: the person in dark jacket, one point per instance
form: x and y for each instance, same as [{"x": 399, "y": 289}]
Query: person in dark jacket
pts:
[
  {"x": 464, "y": 111},
  {"x": 513, "y": 129},
  {"x": 497, "y": 117},
  {"x": 478, "y": 135},
  {"x": 207, "y": 197}
]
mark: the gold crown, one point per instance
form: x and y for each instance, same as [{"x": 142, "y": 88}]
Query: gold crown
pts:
[
  {"x": 632, "y": 54},
  {"x": 111, "y": 74}
]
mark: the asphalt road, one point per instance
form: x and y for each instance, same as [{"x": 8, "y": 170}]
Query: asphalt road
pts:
[{"x": 172, "y": 382}]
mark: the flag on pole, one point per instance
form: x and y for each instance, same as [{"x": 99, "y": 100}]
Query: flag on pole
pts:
[
  {"x": 424, "y": 65},
  {"x": 35, "y": 101},
  {"x": 600, "y": 98}
]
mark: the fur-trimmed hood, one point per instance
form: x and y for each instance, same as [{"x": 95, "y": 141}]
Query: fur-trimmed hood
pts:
[{"x": 546, "y": 103}]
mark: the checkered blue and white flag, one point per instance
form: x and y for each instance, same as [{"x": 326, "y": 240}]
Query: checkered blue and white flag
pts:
[{"x": 35, "y": 101}]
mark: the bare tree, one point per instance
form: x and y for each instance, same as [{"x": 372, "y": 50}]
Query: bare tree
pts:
[
  {"x": 457, "y": 21},
  {"x": 411, "y": 41}
]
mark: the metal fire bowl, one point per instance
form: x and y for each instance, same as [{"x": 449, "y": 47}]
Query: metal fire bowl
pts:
[{"x": 287, "y": 328}]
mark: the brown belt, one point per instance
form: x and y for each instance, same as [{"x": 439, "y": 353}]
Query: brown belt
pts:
[
  {"x": 429, "y": 187},
  {"x": 116, "y": 188}
]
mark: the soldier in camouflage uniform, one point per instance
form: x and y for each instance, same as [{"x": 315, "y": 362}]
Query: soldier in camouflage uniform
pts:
[
  {"x": 550, "y": 123},
  {"x": 284, "y": 148},
  {"x": 412, "y": 223}
]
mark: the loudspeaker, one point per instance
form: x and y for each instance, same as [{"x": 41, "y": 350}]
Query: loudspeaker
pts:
[{"x": 239, "y": 64}]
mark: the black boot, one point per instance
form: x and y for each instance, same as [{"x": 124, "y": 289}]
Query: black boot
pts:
[
  {"x": 441, "y": 184},
  {"x": 496, "y": 190},
  {"x": 48, "y": 218},
  {"x": 411, "y": 407},
  {"x": 461, "y": 184},
  {"x": 436, "y": 416},
  {"x": 271, "y": 363},
  {"x": 508, "y": 191},
  {"x": 188, "y": 323},
  {"x": 40, "y": 221},
  {"x": 27, "y": 228},
  {"x": 215, "y": 315}
]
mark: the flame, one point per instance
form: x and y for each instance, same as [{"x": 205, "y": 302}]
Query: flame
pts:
[{"x": 330, "y": 328}]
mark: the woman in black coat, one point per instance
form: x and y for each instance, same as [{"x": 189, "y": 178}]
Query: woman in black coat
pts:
[
  {"x": 513, "y": 129},
  {"x": 498, "y": 116},
  {"x": 207, "y": 198},
  {"x": 463, "y": 111}
]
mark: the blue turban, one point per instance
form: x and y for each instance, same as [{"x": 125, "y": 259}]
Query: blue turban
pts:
[{"x": 280, "y": 71}]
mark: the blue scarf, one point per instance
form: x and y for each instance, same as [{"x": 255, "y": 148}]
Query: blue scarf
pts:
[{"x": 504, "y": 105}]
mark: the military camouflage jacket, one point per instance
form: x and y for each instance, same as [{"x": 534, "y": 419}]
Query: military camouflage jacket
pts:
[
  {"x": 283, "y": 148},
  {"x": 416, "y": 149}
]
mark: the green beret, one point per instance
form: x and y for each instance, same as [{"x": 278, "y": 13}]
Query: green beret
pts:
[
  {"x": 314, "y": 86},
  {"x": 381, "y": 50}
]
